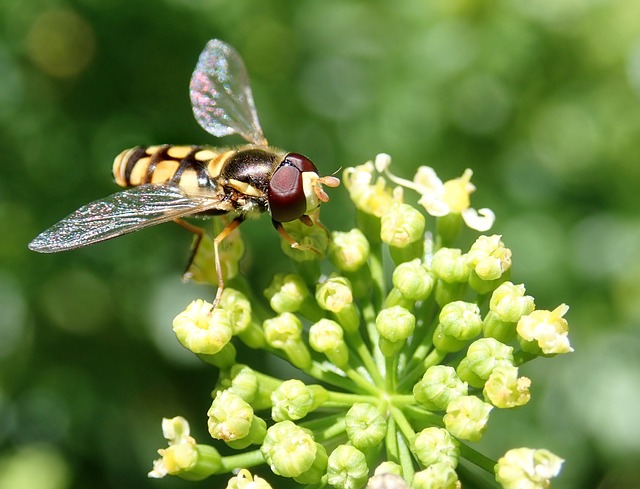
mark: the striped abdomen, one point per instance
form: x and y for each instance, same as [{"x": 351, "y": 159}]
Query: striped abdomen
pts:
[{"x": 186, "y": 166}]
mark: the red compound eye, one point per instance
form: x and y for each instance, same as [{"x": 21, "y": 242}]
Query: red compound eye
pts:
[{"x": 286, "y": 191}]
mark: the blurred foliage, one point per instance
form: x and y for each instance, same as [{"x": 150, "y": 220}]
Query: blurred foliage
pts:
[{"x": 541, "y": 98}]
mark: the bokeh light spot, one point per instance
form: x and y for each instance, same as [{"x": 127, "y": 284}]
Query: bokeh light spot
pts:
[{"x": 61, "y": 43}]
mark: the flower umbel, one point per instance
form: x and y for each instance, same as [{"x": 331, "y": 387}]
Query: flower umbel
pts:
[{"x": 400, "y": 347}]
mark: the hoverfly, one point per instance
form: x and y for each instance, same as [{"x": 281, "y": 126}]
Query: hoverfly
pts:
[{"x": 168, "y": 183}]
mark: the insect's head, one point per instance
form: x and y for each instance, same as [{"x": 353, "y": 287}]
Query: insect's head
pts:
[{"x": 295, "y": 188}]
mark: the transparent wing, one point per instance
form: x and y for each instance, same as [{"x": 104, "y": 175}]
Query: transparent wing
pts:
[
  {"x": 121, "y": 213},
  {"x": 221, "y": 95}
]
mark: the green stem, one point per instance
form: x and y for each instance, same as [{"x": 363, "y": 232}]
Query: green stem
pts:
[
  {"x": 317, "y": 371},
  {"x": 477, "y": 458},
  {"x": 411, "y": 378},
  {"x": 403, "y": 423},
  {"x": 363, "y": 383},
  {"x": 242, "y": 461},
  {"x": 365, "y": 356},
  {"x": 390, "y": 372},
  {"x": 391, "y": 441},
  {"x": 401, "y": 401},
  {"x": 346, "y": 399}
]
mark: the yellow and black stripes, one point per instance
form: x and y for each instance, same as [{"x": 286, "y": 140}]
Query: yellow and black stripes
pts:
[{"x": 186, "y": 166}]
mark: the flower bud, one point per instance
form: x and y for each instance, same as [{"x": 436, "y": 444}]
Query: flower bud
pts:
[
  {"x": 312, "y": 241},
  {"x": 437, "y": 476},
  {"x": 348, "y": 251},
  {"x": 394, "y": 324},
  {"x": 230, "y": 417},
  {"x": 244, "y": 480},
  {"x": 413, "y": 280},
  {"x": 335, "y": 295},
  {"x": 504, "y": 389},
  {"x": 483, "y": 356},
  {"x": 326, "y": 336},
  {"x": 284, "y": 332},
  {"x": 201, "y": 329},
  {"x": 450, "y": 265},
  {"x": 388, "y": 467},
  {"x": 401, "y": 225},
  {"x": 244, "y": 382},
  {"x": 545, "y": 331},
  {"x": 509, "y": 302},
  {"x": 439, "y": 386},
  {"x": 366, "y": 426},
  {"x": 286, "y": 292},
  {"x": 289, "y": 449},
  {"x": 238, "y": 308},
  {"x": 318, "y": 468},
  {"x": 459, "y": 322},
  {"x": 293, "y": 400},
  {"x": 347, "y": 468},
  {"x": 507, "y": 305},
  {"x": 434, "y": 445},
  {"x": 467, "y": 417},
  {"x": 527, "y": 467},
  {"x": 489, "y": 261}
]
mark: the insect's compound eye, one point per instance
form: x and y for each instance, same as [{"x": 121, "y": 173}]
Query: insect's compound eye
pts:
[{"x": 287, "y": 199}]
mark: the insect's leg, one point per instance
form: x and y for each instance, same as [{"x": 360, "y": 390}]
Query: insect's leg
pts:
[
  {"x": 216, "y": 243},
  {"x": 199, "y": 232},
  {"x": 294, "y": 244}
]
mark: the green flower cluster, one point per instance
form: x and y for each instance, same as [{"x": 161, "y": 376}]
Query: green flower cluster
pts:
[{"x": 408, "y": 365}]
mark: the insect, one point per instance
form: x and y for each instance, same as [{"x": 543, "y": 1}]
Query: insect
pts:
[{"x": 168, "y": 183}]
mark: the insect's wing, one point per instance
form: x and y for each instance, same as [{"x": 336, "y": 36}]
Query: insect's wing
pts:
[
  {"x": 221, "y": 95},
  {"x": 121, "y": 213}
]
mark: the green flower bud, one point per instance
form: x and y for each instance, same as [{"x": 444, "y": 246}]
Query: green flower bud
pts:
[
  {"x": 318, "y": 468},
  {"x": 489, "y": 261},
  {"x": 257, "y": 432},
  {"x": 483, "y": 356},
  {"x": 312, "y": 241},
  {"x": 326, "y": 336},
  {"x": 244, "y": 480},
  {"x": 467, "y": 417},
  {"x": 230, "y": 252},
  {"x": 347, "y": 468},
  {"x": 413, "y": 280},
  {"x": 439, "y": 386},
  {"x": 528, "y": 468},
  {"x": 437, "y": 476},
  {"x": 459, "y": 322},
  {"x": 348, "y": 251},
  {"x": 335, "y": 295},
  {"x": 244, "y": 382},
  {"x": 366, "y": 426},
  {"x": 394, "y": 324},
  {"x": 450, "y": 265},
  {"x": 434, "y": 445},
  {"x": 545, "y": 331},
  {"x": 401, "y": 225},
  {"x": 184, "y": 458},
  {"x": 289, "y": 449},
  {"x": 293, "y": 400},
  {"x": 286, "y": 292},
  {"x": 284, "y": 332},
  {"x": 509, "y": 302},
  {"x": 201, "y": 329},
  {"x": 238, "y": 308},
  {"x": 230, "y": 417},
  {"x": 504, "y": 389}
]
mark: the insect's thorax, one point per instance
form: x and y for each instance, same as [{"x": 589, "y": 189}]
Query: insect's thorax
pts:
[{"x": 246, "y": 169}]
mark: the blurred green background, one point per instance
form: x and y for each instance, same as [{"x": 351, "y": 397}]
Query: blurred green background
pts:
[{"x": 540, "y": 97}]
